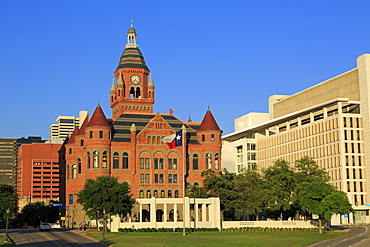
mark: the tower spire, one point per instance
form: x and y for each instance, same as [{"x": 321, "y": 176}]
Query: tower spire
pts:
[{"x": 131, "y": 37}]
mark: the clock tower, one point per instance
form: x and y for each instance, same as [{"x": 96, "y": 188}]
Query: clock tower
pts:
[{"x": 133, "y": 88}]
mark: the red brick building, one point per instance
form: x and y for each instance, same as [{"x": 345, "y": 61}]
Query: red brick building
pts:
[
  {"x": 38, "y": 172},
  {"x": 129, "y": 145}
]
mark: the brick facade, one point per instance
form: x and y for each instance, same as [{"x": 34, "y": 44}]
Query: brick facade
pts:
[
  {"x": 129, "y": 145},
  {"x": 38, "y": 172}
]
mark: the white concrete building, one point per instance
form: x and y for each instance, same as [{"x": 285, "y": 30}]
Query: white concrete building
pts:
[
  {"x": 64, "y": 126},
  {"x": 329, "y": 122}
]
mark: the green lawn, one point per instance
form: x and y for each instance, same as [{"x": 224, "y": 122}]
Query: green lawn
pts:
[
  {"x": 5, "y": 244},
  {"x": 289, "y": 239}
]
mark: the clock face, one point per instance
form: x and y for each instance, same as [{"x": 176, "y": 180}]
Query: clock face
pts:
[{"x": 135, "y": 79}]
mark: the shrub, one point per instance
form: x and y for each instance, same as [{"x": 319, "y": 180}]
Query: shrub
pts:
[{"x": 101, "y": 228}]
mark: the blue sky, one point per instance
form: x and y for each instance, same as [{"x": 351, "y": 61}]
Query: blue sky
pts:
[{"x": 58, "y": 57}]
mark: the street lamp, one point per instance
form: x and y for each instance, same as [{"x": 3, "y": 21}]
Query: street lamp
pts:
[{"x": 6, "y": 231}]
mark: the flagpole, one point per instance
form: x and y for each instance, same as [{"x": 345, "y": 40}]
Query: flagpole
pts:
[{"x": 183, "y": 175}]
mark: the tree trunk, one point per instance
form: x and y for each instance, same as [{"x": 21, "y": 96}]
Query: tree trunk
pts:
[
  {"x": 320, "y": 224},
  {"x": 257, "y": 216},
  {"x": 296, "y": 215},
  {"x": 104, "y": 227}
]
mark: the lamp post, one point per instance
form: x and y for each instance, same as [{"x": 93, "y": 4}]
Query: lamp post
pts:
[{"x": 6, "y": 231}]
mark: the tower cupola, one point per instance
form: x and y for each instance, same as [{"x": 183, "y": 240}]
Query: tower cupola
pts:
[{"x": 134, "y": 89}]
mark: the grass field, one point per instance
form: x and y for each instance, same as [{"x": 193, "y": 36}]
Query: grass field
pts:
[
  {"x": 289, "y": 239},
  {"x": 5, "y": 244}
]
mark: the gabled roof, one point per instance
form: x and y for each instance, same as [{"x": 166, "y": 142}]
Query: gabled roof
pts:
[
  {"x": 98, "y": 118},
  {"x": 81, "y": 130},
  {"x": 71, "y": 139},
  {"x": 209, "y": 122},
  {"x": 121, "y": 127}
]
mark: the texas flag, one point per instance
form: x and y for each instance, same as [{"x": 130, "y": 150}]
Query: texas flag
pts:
[{"x": 173, "y": 140}]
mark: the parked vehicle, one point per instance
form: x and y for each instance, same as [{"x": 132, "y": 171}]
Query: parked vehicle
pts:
[
  {"x": 55, "y": 225},
  {"x": 44, "y": 226}
]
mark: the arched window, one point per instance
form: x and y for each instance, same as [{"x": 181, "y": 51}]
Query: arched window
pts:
[
  {"x": 132, "y": 92},
  {"x": 115, "y": 160},
  {"x": 79, "y": 166},
  {"x": 176, "y": 194},
  {"x": 88, "y": 160},
  {"x": 172, "y": 161},
  {"x": 196, "y": 184},
  {"x": 216, "y": 162},
  {"x": 141, "y": 194},
  {"x": 104, "y": 165},
  {"x": 208, "y": 161},
  {"x": 163, "y": 194},
  {"x": 148, "y": 194},
  {"x": 96, "y": 159},
  {"x": 169, "y": 194},
  {"x": 138, "y": 93},
  {"x": 159, "y": 161},
  {"x": 145, "y": 160},
  {"x": 74, "y": 171},
  {"x": 195, "y": 162},
  {"x": 156, "y": 193},
  {"x": 125, "y": 160}
]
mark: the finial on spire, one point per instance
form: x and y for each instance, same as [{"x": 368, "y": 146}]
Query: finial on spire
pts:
[{"x": 131, "y": 36}]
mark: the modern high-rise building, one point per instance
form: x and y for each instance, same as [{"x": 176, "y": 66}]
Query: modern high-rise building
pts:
[
  {"x": 38, "y": 173},
  {"x": 64, "y": 126},
  {"x": 329, "y": 122},
  {"x": 8, "y": 157}
]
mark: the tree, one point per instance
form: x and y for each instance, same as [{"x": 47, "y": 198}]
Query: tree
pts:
[
  {"x": 307, "y": 170},
  {"x": 8, "y": 200},
  {"x": 279, "y": 184},
  {"x": 198, "y": 192},
  {"x": 221, "y": 184},
  {"x": 33, "y": 213},
  {"x": 104, "y": 197},
  {"x": 321, "y": 198},
  {"x": 251, "y": 194}
]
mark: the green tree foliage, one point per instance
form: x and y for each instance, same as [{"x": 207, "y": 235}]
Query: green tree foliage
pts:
[
  {"x": 307, "y": 170},
  {"x": 250, "y": 194},
  {"x": 8, "y": 200},
  {"x": 198, "y": 192},
  {"x": 282, "y": 188},
  {"x": 36, "y": 212},
  {"x": 221, "y": 184},
  {"x": 321, "y": 198},
  {"x": 104, "y": 197},
  {"x": 279, "y": 184}
]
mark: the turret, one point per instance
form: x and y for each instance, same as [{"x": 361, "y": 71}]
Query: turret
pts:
[
  {"x": 208, "y": 130},
  {"x": 134, "y": 92}
]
